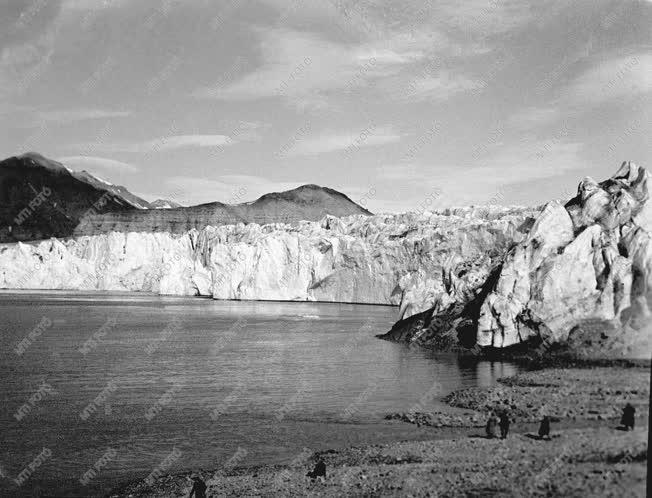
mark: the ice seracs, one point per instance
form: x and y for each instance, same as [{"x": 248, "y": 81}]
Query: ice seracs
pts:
[
  {"x": 382, "y": 259},
  {"x": 582, "y": 273}
]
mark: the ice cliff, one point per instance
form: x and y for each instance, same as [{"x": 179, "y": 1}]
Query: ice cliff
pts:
[
  {"x": 582, "y": 274},
  {"x": 381, "y": 259}
]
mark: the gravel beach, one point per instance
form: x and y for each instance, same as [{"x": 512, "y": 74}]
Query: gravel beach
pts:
[{"x": 587, "y": 455}]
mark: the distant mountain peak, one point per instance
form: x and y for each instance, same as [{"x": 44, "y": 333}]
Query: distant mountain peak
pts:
[
  {"x": 36, "y": 159},
  {"x": 117, "y": 190},
  {"x": 41, "y": 198},
  {"x": 309, "y": 186},
  {"x": 314, "y": 194},
  {"x": 73, "y": 206},
  {"x": 164, "y": 204},
  {"x": 101, "y": 180}
]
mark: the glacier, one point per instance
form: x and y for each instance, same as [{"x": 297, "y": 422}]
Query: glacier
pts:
[{"x": 380, "y": 259}]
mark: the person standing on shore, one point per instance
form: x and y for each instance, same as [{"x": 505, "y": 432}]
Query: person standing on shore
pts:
[
  {"x": 629, "y": 417},
  {"x": 319, "y": 472},
  {"x": 544, "y": 428},
  {"x": 492, "y": 423},
  {"x": 198, "y": 488},
  {"x": 504, "y": 424}
]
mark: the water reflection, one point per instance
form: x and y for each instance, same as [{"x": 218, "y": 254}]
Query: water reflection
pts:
[{"x": 269, "y": 376}]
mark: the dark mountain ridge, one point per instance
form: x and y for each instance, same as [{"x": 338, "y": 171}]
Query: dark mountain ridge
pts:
[
  {"x": 308, "y": 202},
  {"x": 41, "y": 198}
]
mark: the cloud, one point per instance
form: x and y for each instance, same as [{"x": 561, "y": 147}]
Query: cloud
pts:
[
  {"x": 244, "y": 131},
  {"x": 30, "y": 117},
  {"x": 370, "y": 136},
  {"x": 536, "y": 160},
  {"x": 183, "y": 141},
  {"x": 401, "y": 172},
  {"x": 484, "y": 18},
  {"x": 379, "y": 16},
  {"x": 22, "y": 65},
  {"x": 441, "y": 86},
  {"x": 614, "y": 79},
  {"x": 72, "y": 115},
  {"x": 92, "y": 162},
  {"x": 72, "y": 7},
  {"x": 161, "y": 144},
  {"x": 524, "y": 164},
  {"x": 306, "y": 68},
  {"x": 294, "y": 63},
  {"x": 389, "y": 56},
  {"x": 22, "y": 21},
  {"x": 532, "y": 117}
]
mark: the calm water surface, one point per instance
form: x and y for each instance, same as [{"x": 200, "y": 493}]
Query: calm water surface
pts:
[{"x": 189, "y": 383}]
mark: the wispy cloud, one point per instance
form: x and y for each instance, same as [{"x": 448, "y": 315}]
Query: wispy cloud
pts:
[
  {"x": 293, "y": 64},
  {"x": 304, "y": 67},
  {"x": 22, "y": 65},
  {"x": 440, "y": 86},
  {"x": 160, "y": 144},
  {"x": 533, "y": 117},
  {"x": 182, "y": 141},
  {"x": 530, "y": 161},
  {"x": 484, "y": 18},
  {"x": 615, "y": 78},
  {"x": 30, "y": 117},
  {"x": 401, "y": 172},
  {"x": 94, "y": 162},
  {"x": 370, "y": 136},
  {"x": 477, "y": 182},
  {"x": 64, "y": 116}
]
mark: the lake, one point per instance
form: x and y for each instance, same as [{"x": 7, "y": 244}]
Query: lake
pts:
[{"x": 99, "y": 389}]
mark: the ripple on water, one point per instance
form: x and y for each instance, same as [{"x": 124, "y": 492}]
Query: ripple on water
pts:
[{"x": 207, "y": 377}]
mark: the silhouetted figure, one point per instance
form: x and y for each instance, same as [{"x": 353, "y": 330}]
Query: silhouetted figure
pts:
[
  {"x": 198, "y": 488},
  {"x": 544, "y": 428},
  {"x": 319, "y": 471},
  {"x": 504, "y": 425},
  {"x": 629, "y": 416},
  {"x": 492, "y": 424}
]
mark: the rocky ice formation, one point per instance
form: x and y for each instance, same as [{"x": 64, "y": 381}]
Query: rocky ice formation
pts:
[
  {"x": 588, "y": 260},
  {"x": 381, "y": 259},
  {"x": 582, "y": 273}
]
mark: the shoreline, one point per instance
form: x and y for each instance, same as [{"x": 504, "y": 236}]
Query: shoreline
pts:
[
  {"x": 119, "y": 293},
  {"x": 459, "y": 461}
]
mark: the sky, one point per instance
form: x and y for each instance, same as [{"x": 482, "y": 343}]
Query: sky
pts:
[{"x": 403, "y": 106}]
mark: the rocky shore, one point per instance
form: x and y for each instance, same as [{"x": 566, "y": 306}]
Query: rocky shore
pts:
[{"x": 588, "y": 454}]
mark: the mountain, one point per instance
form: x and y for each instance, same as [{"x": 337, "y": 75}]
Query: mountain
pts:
[
  {"x": 164, "y": 204},
  {"x": 117, "y": 190},
  {"x": 41, "y": 198},
  {"x": 305, "y": 203}
]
